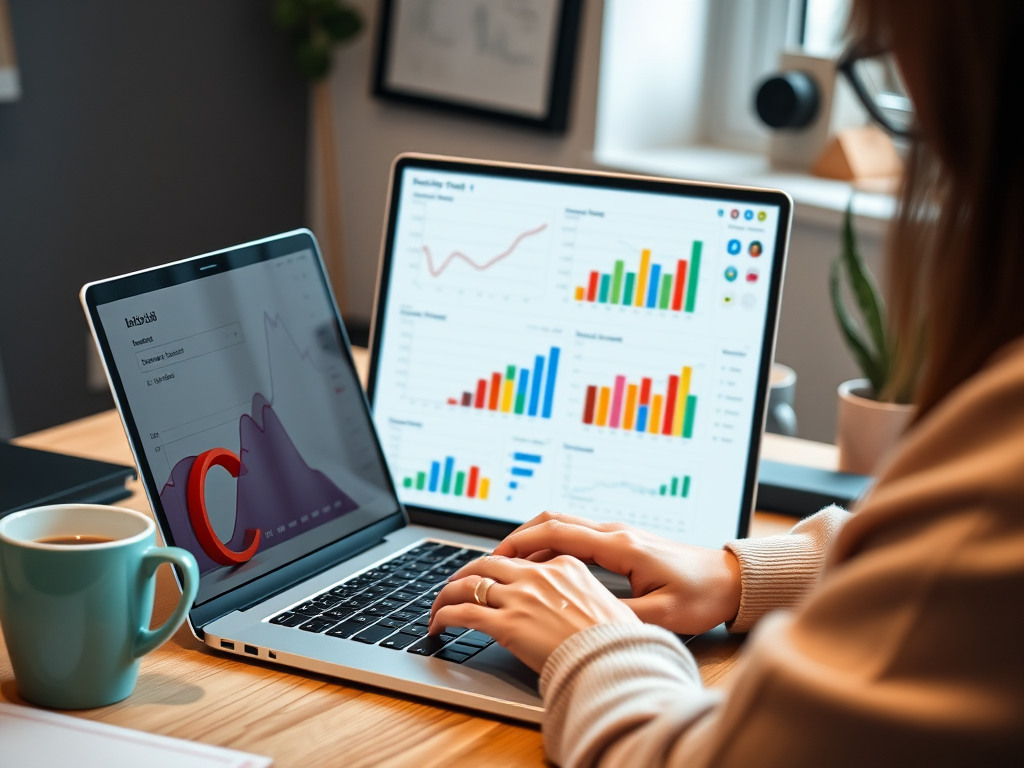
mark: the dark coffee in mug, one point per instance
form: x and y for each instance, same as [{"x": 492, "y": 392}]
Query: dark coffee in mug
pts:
[{"x": 83, "y": 539}]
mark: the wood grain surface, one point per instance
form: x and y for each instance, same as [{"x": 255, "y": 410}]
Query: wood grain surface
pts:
[{"x": 189, "y": 691}]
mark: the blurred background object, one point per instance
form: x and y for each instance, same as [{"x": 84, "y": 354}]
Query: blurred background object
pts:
[
  {"x": 314, "y": 28},
  {"x": 781, "y": 418},
  {"x": 10, "y": 87},
  {"x": 146, "y": 132}
]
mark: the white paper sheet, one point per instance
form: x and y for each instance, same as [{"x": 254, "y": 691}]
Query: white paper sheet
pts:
[{"x": 34, "y": 738}]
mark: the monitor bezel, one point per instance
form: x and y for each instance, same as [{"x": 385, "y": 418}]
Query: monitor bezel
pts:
[
  {"x": 95, "y": 294},
  {"x": 497, "y": 528}
]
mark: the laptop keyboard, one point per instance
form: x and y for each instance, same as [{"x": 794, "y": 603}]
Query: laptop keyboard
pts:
[{"x": 389, "y": 605}]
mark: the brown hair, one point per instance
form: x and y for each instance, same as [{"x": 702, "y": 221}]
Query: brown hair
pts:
[{"x": 956, "y": 245}]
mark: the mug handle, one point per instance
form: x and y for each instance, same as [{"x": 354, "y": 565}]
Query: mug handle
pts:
[{"x": 151, "y": 639}]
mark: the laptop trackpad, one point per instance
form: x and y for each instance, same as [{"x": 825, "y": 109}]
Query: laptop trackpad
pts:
[{"x": 496, "y": 661}]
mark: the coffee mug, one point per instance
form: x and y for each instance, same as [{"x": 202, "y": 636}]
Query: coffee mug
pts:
[{"x": 76, "y": 615}]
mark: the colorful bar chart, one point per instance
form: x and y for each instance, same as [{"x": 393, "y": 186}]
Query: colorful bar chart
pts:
[
  {"x": 523, "y": 391},
  {"x": 445, "y": 478},
  {"x": 636, "y": 408},
  {"x": 679, "y": 486},
  {"x": 524, "y": 466},
  {"x": 651, "y": 286}
]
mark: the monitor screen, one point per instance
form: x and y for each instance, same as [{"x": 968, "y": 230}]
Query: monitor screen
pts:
[
  {"x": 545, "y": 344},
  {"x": 251, "y": 361}
]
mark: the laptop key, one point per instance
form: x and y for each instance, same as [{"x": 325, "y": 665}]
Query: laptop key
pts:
[
  {"x": 476, "y": 639},
  {"x": 309, "y": 609},
  {"x": 289, "y": 619},
  {"x": 419, "y": 630},
  {"x": 404, "y": 595},
  {"x": 405, "y": 616},
  {"x": 316, "y": 625},
  {"x": 339, "y": 614},
  {"x": 423, "y": 620},
  {"x": 398, "y": 641},
  {"x": 346, "y": 629},
  {"x": 392, "y": 622},
  {"x": 456, "y": 631},
  {"x": 431, "y": 644},
  {"x": 449, "y": 655},
  {"x": 373, "y": 634}
]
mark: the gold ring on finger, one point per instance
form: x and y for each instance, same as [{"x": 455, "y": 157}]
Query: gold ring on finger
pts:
[{"x": 480, "y": 591}]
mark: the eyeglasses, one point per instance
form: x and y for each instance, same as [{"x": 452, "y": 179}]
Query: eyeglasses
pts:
[{"x": 876, "y": 81}]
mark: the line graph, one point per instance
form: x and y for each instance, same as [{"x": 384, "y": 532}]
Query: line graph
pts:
[
  {"x": 436, "y": 271},
  {"x": 465, "y": 249}
]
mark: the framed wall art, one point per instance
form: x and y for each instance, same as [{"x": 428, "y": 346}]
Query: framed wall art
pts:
[{"x": 511, "y": 60}]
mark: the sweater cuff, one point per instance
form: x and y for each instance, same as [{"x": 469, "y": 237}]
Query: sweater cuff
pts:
[
  {"x": 602, "y": 639},
  {"x": 778, "y": 571}
]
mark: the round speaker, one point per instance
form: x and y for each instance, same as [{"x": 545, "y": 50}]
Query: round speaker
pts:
[{"x": 788, "y": 100}]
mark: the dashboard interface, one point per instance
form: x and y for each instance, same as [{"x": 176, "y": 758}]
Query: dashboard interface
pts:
[
  {"x": 248, "y": 363},
  {"x": 570, "y": 347}
]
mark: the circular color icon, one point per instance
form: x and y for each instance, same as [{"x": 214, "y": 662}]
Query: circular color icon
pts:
[
  {"x": 734, "y": 247},
  {"x": 731, "y": 273},
  {"x": 721, "y": 212},
  {"x": 761, "y": 215},
  {"x": 734, "y": 213},
  {"x": 728, "y": 299},
  {"x": 752, "y": 275},
  {"x": 755, "y": 249},
  {"x": 748, "y": 215}
]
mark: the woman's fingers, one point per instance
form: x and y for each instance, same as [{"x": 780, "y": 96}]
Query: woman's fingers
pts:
[
  {"x": 502, "y": 569},
  {"x": 470, "y": 615},
  {"x": 464, "y": 591},
  {"x": 544, "y": 517},
  {"x": 609, "y": 549}
]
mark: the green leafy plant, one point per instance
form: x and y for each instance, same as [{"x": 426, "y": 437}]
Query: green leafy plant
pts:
[
  {"x": 315, "y": 27},
  {"x": 871, "y": 344}
]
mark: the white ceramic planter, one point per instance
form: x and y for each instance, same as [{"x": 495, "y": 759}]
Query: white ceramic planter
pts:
[{"x": 867, "y": 430}]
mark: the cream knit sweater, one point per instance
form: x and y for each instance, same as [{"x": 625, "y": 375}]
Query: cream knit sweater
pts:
[{"x": 900, "y": 640}]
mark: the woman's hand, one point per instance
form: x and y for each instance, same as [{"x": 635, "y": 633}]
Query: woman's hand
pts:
[
  {"x": 532, "y": 608},
  {"x": 683, "y": 588}
]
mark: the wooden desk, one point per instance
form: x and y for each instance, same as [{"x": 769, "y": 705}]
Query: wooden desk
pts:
[{"x": 300, "y": 719}]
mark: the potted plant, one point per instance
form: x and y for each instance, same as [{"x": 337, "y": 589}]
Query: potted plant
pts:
[{"x": 873, "y": 412}]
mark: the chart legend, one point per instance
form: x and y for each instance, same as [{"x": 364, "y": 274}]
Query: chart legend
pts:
[
  {"x": 523, "y": 391},
  {"x": 651, "y": 286},
  {"x": 524, "y": 466},
  {"x": 444, "y": 478},
  {"x": 636, "y": 407}
]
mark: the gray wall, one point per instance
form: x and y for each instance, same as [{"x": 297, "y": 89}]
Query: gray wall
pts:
[{"x": 146, "y": 132}]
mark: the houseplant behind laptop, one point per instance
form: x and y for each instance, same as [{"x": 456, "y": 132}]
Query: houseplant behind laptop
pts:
[{"x": 873, "y": 412}]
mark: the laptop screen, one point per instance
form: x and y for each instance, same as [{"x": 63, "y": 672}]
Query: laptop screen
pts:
[
  {"x": 247, "y": 358},
  {"x": 582, "y": 345}
]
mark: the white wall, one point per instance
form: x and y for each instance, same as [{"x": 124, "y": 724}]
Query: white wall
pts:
[{"x": 370, "y": 132}]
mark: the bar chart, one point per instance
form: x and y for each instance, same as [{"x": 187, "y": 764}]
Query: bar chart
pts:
[
  {"x": 651, "y": 285},
  {"x": 445, "y": 478},
  {"x": 678, "y": 486},
  {"x": 524, "y": 467},
  {"x": 636, "y": 407},
  {"x": 523, "y": 390}
]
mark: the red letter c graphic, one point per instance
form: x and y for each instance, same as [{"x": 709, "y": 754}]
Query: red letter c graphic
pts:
[{"x": 200, "y": 519}]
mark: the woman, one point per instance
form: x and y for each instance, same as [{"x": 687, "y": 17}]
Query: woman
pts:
[{"x": 901, "y": 639}]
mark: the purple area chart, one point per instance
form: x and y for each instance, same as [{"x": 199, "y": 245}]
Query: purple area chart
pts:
[{"x": 277, "y": 491}]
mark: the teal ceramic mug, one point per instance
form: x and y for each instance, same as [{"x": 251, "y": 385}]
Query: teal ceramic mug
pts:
[{"x": 75, "y": 616}]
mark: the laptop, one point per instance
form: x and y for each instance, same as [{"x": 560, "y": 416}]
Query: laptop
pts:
[{"x": 543, "y": 339}]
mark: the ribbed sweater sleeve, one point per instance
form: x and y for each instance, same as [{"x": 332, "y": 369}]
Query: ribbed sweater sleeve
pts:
[
  {"x": 613, "y": 679},
  {"x": 779, "y": 571}
]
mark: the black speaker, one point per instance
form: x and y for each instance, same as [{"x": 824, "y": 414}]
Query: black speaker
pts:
[{"x": 788, "y": 100}]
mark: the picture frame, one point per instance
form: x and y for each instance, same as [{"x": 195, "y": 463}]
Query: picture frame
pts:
[{"x": 509, "y": 60}]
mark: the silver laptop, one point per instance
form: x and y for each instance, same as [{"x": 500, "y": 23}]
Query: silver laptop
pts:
[{"x": 543, "y": 339}]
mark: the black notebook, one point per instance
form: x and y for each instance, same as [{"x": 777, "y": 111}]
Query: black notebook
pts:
[{"x": 31, "y": 478}]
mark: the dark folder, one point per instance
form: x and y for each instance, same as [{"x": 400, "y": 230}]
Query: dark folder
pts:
[{"x": 31, "y": 478}]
